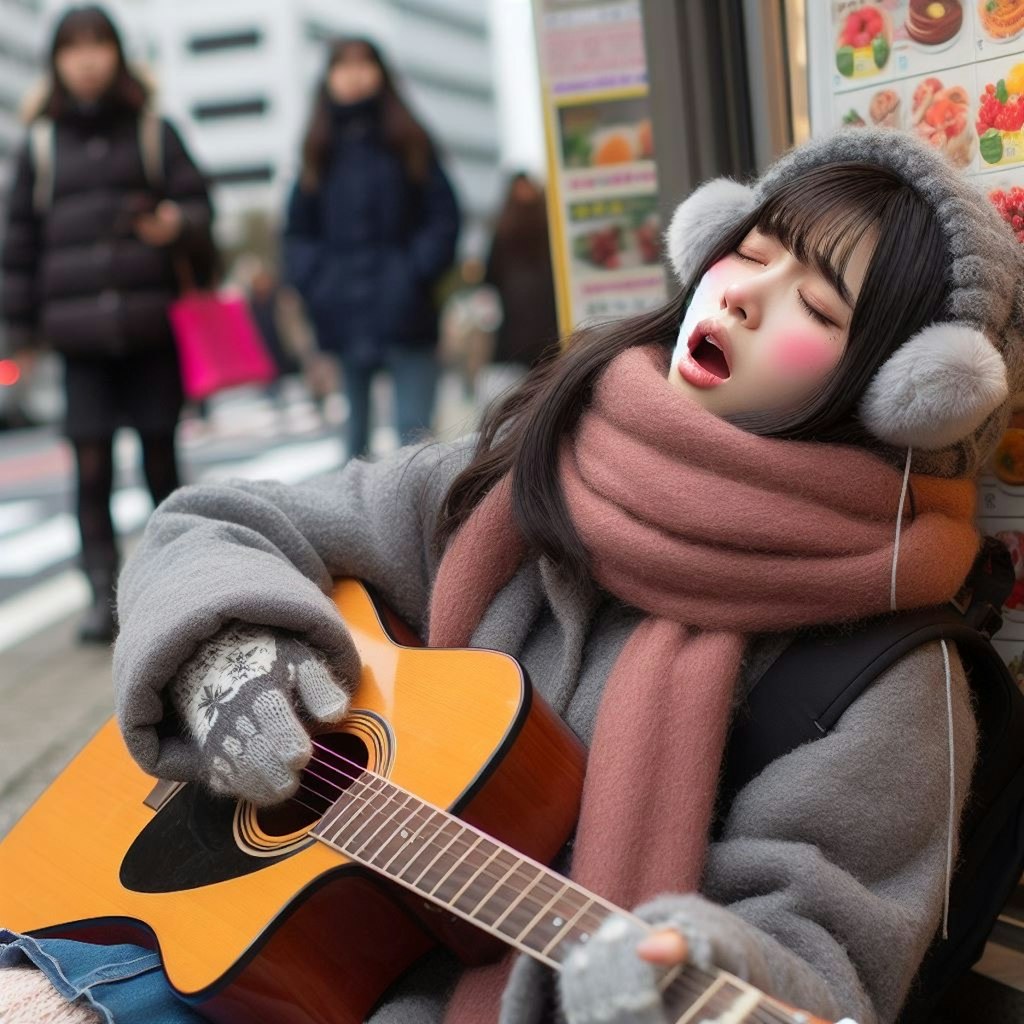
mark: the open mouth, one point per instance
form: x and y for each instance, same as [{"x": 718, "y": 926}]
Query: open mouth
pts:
[{"x": 709, "y": 356}]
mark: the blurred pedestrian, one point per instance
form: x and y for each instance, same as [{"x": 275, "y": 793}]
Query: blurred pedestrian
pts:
[
  {"x": 89, "y": 269},
  {"x": 469, "y": 319},
  {"x": 371, "y": 227},
  {"x": 264, "y": 295},
  {"x": 519, "y": 267}
]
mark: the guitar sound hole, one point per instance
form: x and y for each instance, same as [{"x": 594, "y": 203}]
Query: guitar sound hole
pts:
[{"x": 338, "y": 757}]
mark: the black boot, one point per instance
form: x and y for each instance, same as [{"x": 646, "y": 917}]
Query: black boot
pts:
[{"x": 99, "y": 626}]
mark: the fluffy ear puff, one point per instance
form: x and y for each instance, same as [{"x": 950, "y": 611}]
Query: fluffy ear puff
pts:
[
  {"x": 701, "y": 219},
  {"x": 936, "y": 388}
]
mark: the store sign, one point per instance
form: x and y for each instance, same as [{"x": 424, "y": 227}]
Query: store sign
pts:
[{"x": 602, "y": 179}]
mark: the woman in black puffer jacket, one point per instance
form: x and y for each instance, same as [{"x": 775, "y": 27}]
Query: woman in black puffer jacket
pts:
[
  {"x": 371, "y": 227},
  {"x": 89, "y": 269}
]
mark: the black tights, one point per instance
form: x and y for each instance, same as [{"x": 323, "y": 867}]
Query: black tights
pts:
[{"x": 95, "y": 463}]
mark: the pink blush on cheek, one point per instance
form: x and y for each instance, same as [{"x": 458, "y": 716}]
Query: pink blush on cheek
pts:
[{"x": 804, "y": 354}]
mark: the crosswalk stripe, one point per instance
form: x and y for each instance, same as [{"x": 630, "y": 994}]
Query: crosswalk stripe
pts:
[
  {"x": 27, "y": 550},
  {"x": 43, "y": 605}
]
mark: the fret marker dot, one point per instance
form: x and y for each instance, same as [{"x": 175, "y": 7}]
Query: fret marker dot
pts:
[
  {"x": 404, "y": 833},
  {"x": 583, "y": 937},
  {"x": 558, "y": 922}
]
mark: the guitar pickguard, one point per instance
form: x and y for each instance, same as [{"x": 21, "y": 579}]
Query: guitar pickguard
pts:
[{"x": 197, "y": 838}]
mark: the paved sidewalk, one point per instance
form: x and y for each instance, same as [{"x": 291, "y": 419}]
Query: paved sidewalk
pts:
[{"x": 54, "y": 695}]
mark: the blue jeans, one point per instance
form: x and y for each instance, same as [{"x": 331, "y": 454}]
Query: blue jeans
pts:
[
  {"x": 415, "y": 373},
  {"x": 124, "y": 983}
]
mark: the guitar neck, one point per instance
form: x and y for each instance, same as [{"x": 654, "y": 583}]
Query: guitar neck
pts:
[{"x": 526, "y": 905}]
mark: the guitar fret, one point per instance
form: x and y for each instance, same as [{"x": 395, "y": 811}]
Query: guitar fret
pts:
[
  {"x": 543, "y": 910},
  {"x": 429, "y": 843},
  {"x": 366, "y": 816},
  {"x": 358, "y": 804},
  {"x": 389, "y": 820},
  {"x": 702, "y": 1002},
  {"x": 516, "y": 863},
  {"x": 454, "y": 867},
  {"x": 444, "y": 849},
  {"x": 519, "y": 912},
  {"x": 478, "y": 876},
  {"x": 408, "y": 840},
  {"x": 494, "y": 907},
  {"x": 565, "y": 930}
]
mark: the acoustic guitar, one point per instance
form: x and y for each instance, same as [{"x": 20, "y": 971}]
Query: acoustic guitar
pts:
[{"x": 426, "y": 816}]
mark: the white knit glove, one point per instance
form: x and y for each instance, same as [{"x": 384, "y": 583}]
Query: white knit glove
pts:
[
  {"x": 606, "y": 982},
  {"x": 241, "y": 696}
]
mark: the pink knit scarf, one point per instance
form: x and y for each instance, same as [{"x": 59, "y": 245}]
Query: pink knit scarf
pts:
[{"x": 715, "y": 533}]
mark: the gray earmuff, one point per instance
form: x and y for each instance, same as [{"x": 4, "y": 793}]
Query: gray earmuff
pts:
[{"x": 935, "y": 390}]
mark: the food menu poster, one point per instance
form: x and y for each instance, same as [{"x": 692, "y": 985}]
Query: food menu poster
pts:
[
  {"x": 602, "y": 175},
  {"x": 951, "y": 73}
]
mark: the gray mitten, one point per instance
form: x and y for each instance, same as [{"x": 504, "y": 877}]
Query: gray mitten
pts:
[
  {"x": 606, "y": 982},
  {"x": 240, "y": 696}
]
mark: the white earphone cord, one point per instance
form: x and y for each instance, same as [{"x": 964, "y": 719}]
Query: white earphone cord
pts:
[{"x": 949, "y": 702}]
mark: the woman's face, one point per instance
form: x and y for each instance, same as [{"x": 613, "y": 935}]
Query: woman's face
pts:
[
  {"x": 356, "y": 77},
  {"x": 764, "y": 330},
  {"x": 87, "y": 68}
]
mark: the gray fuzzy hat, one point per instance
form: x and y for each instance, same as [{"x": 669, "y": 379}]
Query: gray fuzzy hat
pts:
[{"x": 946, "y": 391}]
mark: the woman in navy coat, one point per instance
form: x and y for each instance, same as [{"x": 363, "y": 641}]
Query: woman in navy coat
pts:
[{"x": 371, "y": 227}]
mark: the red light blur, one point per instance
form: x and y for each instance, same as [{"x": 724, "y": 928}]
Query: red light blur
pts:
[{"x": 9, "y": 373}]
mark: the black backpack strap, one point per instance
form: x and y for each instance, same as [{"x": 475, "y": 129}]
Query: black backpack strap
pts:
[
  {"x": 811, "y": 684},
  {"x": 808, "y": 687}
]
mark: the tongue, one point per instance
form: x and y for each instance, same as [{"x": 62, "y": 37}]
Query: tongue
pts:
[{"x": 711, "y": 359}]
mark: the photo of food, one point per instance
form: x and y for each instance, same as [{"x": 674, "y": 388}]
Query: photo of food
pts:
[
  {"x": 934, "y": 23},
  {"x": 884, "y": 110},
  {"x": 608, "y": 133},
  {"x": 1000, "y": 118},
  {"x": 1008, "y": 461},
  {"x": 864, "y": 42},
  {"x": 1001, "y": 20},
  {"x": 1009, "y": 202},
  {"x": 615, "y": 234},
  {"x": 940, "y": 116}
]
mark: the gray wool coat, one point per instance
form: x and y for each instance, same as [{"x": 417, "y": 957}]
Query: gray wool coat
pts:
[{"x": 827, "y": 884}]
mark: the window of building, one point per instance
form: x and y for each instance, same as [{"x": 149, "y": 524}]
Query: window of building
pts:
[
  {"x": 216, "y": 110},
  {"x": 256, "y": 174},
  {"x": 10, "y": 51},
  {"x": 240, "y": 40}
]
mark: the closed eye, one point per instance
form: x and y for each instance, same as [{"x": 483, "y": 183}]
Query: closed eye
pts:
[
  {"x": 746, "y": 258},
  {"x": 819, "y": 316}
]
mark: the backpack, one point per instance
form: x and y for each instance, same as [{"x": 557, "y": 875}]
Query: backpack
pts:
[
  {"x": 42, "y": 144},
  {"x": 806, "y": 690}
]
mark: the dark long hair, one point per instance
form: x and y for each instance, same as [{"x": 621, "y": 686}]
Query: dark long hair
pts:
[
  {"x": 820, "y": 217},
  {"x": 400, "y": 130},
  {"x": 522, "y": 223},
  {"x": 91, "y": 22}
]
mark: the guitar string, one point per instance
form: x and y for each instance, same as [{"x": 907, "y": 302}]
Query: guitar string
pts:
[{"x": 690, "y": 982}]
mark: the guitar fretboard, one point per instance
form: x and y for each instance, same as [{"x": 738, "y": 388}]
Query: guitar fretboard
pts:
[
  {"x": 451, "y": 864},
  {"x": 427, "y": 850}
]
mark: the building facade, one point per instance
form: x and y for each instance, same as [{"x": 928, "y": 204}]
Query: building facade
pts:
[
  {"x": 23, "y": 25},
  {"x": 238, "y": 77}
]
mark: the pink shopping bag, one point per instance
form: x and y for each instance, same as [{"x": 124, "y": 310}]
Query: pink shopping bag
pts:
[{"x": 219, "y": 344}]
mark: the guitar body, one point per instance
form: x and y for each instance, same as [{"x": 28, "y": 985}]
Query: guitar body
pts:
[{"x": 256, "y": 920}]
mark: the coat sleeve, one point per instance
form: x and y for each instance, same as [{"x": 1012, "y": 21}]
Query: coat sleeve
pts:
[
  {"x": 266, "y": 553},
  {"x": 302, "y": 243},
  {"x": 828, "y": 883},
  {"x": 20, "y": 258},
  {"x": 185, "y": 185},
  {"x": 432, "y": 245}
]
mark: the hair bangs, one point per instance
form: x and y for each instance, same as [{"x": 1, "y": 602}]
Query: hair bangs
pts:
[
  {"x": 823, "y": 217},
  {"x": 85, "y": 24}
]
